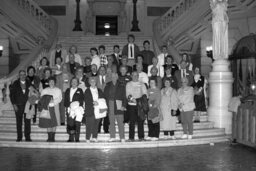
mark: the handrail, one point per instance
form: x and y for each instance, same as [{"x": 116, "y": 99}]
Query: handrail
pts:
[
  {"x": 31, "y": 59},
  {"x": 158, "y": 41},
  {"x": 174, "y": 13},
  {"x": 32, "y": 8}
]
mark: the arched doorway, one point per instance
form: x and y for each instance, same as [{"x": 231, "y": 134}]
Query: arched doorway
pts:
[{"x": 243, "y": 64}]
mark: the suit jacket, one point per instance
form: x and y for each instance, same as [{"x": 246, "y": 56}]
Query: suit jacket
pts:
[
  {"x": 88, "y": 101},
  {"x": 189, "y": 76},
  {"x": 16, "y": 94},
  {"x": 115, "y": 92},
  {"x": 136, "y": 50},
  {"x": 117, "y": 58},
  {"x": 36, "y": 82},
  {"x": 78, "y": 96},
  {"x": 68, "y": 67}
]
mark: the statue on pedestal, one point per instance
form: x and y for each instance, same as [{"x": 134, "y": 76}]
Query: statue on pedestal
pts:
[{"x": 220, "y": 28}]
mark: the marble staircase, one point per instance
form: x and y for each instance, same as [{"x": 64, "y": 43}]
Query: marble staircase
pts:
[
  {"x": 204, "y": 133},
  {"x": 84, "y": 43}
]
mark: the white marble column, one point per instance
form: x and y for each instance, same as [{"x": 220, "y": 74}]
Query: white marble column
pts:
[{"x": 220, "y": 79}]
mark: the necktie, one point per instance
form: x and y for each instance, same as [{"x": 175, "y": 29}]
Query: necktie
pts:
[
  {"x": 131, "y": 51},
  {"x": 184, "y": 73}
]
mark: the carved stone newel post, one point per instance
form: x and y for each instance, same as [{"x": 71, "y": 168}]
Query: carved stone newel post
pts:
[
  {"x": 135, "y": 22},
  {"x": 77, "y": 20},
  {"x": 220, "y": 79}
]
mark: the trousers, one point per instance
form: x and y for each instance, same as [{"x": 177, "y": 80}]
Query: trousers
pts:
[
  {"x": 134, "y": 118},
  {"x": 91, "y": 126},
  {"x": 19, "y": 118},
  {"x": 187, "y": 122}
]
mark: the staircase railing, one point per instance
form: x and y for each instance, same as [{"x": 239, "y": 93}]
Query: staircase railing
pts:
[
  {"x": 163, "y": 24},
  {"x": 186, "y": 21},
  {"x": 50, "y": 25}
]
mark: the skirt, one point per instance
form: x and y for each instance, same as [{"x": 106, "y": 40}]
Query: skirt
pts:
[{"x": 49, "y": 123}]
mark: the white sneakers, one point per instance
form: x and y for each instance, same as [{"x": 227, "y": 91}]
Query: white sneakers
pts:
[
  {"x": 173, "y": 137},
  {"x": 166, "y": 137},
  {"x": 122, "y": 140},
  {"x": 185, "y": 136},
  {"x": 154, "y": 139},
  {"x": 148, "y": 138},
  {"x": 94, "y": 140},
  {"x": 111, "y": 140}
]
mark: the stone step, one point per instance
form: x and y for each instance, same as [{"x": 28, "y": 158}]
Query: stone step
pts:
[
  {"x": 12, "y": 120},
  {"x": 60, "y": 136},
  {"x": 113, "y": 145},
  {"x": 84, "y": 43},
  {"x": 11, "y": 113},
  {"x": 35, "y": 128}
]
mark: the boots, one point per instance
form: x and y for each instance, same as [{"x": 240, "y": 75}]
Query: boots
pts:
[
  {"x": 71, "y": 138},
  {"x": 77, "y": 136},
  {"x": 49, "y": 137},
  {"x": 53, "y": 136}
]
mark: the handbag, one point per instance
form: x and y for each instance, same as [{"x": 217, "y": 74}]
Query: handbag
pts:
[{"x": 45, "y": 114}]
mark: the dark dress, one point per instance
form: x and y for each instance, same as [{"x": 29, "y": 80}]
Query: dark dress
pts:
[
  {"x": 43, "y": 104},
  {"x": 199, "y": 98}
]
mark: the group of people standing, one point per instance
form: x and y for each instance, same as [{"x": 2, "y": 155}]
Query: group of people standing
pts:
[{"x": 130, "y": 87}]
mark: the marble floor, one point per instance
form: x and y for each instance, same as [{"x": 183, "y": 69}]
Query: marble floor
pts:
[{"x": 220, "y": 157}]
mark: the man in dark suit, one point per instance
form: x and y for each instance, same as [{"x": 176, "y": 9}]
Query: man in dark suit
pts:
[
  {"x": 19, "y": 96},
  {"x": 72, "y": 65},
  {"x": 131, "y": 50},
  {"x": 101, "y": 84},
  {"x": 184, "y": 72},
  {"x": 117, "y": 55}
]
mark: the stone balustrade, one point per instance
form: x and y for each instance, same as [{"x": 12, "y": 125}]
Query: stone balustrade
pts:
[
  {"x": 173, "y": 13},
  {"x": 42, "y": 49},
  {"x": 34, "y": 10}
]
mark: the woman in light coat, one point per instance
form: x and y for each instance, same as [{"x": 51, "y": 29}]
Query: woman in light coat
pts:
[
  {"x": 186, "y": 107},
  {"x": 168, "y": 105}
]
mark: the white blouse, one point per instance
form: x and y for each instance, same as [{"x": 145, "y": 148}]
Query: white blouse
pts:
[{"x": 55, "y": 92}]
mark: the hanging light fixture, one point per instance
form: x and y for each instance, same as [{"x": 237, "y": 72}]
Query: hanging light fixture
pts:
[{"x": 106, "y": 25}]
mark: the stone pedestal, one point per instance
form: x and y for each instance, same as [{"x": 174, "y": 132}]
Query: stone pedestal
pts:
[{"x": 220, "y": 93}]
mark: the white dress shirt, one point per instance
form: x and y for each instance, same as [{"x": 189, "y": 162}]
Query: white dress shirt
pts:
[
  {"x": 160, "y": 69},
  {"x": 161, "y": 58},
  {"x": 95, "y": 94},
  {"x": 131, "y": 55},
  {"x": 102, "y": 77},
  {"x": 72, "y": 92}
]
